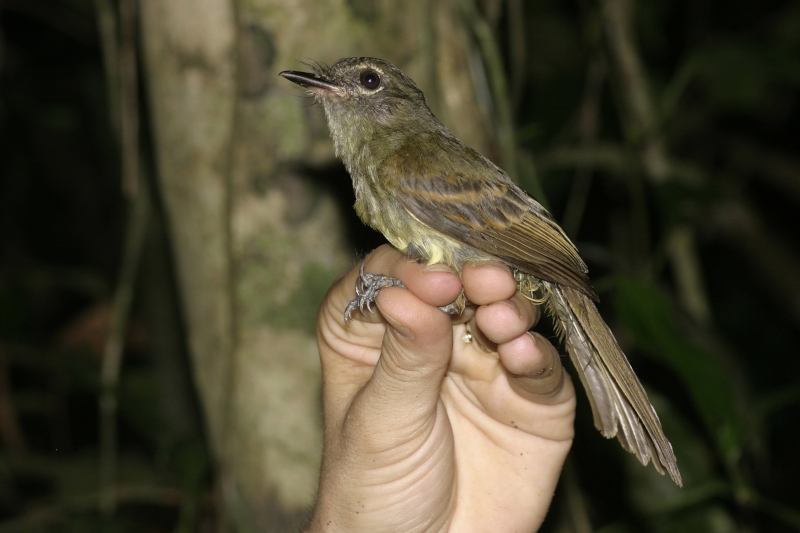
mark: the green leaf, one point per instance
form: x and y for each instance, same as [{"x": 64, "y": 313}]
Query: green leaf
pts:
[
  {"x": 655, "y": 495},
  {"x": 649, "y": 316}
]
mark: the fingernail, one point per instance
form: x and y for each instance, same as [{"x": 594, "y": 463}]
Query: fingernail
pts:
[
  {"x": 515, "y": 306},
  {"x": 437, "y": 267}
]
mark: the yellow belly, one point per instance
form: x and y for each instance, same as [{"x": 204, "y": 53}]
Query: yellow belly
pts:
[{"x": 412, "y": 237}]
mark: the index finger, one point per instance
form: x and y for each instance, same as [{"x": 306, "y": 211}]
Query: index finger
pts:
[{"x": 487, "y": 282}]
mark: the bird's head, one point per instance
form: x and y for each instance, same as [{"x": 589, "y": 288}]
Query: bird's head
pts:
[{"x": 365, "y": 98}]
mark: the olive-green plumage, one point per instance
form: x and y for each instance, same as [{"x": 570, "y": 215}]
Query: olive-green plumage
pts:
[{"x": 438, "y": 200}]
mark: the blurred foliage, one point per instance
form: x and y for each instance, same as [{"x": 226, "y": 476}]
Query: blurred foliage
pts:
[{"x": 684, "y": 207}]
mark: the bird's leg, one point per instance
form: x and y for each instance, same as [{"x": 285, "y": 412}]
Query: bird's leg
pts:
[
  {"x": 457, "y": 306},
  {"x": 369, "y": 285},
  {"x": 530, "y": 287},
  {"x": 367, "y": 288}
]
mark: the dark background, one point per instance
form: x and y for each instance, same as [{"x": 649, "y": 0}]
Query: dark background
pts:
[{"x": 725, "y": 78}]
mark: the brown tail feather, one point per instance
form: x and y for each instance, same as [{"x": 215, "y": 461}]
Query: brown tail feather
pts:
[{"x": 619, "y": 402}]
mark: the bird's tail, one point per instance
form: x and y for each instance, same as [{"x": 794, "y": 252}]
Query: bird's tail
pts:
[{"x": 619, "y": 402}]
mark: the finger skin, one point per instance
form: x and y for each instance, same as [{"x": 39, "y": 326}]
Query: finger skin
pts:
[
  {"x": 417, "y": 349},
  {"x": 533, "y": 364},
  {"x": 487, "y": 282},
  {"x": 506, "y": 320},
  {"x": 424, "y": 432},
  {"x": 435, "y": 285},
  {"x": 382, "y": 410},
  {"x": 502, "y": 313},
  {"x": 535, "y": 370},
  {"x": 417, "y": 329}
]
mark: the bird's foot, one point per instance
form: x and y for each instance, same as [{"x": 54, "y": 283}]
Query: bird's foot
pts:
[
  {"x": 451, "y": 309},
  {"x": 367, "y": 288},
  {"x": 457, "y": 306}
]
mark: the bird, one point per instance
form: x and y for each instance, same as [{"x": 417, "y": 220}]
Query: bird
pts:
[{"x": 439, "y": 201}]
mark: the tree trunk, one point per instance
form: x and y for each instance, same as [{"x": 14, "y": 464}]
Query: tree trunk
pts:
[{"x": 257, "y": 238}]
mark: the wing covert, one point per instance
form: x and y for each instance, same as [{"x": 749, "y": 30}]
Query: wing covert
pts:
[{"x": 478, "y": 204}]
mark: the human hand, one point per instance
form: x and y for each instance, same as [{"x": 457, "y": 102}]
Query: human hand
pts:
[{"x": 428, "y": 428}]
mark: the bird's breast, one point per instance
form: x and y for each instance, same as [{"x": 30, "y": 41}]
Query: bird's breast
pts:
[{"x": 412, "y": 237}]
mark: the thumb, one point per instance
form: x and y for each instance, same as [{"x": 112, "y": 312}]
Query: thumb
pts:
[{"x": 416, "y": 350}]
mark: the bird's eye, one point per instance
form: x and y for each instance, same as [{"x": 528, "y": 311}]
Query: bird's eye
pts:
[{"x": 370, "y": 79}]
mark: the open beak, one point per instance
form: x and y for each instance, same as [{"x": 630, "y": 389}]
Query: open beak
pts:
[{"x": 308, "y": 80}]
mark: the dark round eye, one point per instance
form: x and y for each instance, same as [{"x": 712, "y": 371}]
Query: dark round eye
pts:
[{"x": 370, "y": 79}]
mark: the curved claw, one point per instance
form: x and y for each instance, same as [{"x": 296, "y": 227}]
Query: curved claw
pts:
[
  {"x": 367, "y": 288},
  {"x": 451, "y": 309}
]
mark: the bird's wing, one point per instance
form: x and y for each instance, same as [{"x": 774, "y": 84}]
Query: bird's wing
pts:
[{"x": 474, "y": 202}]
